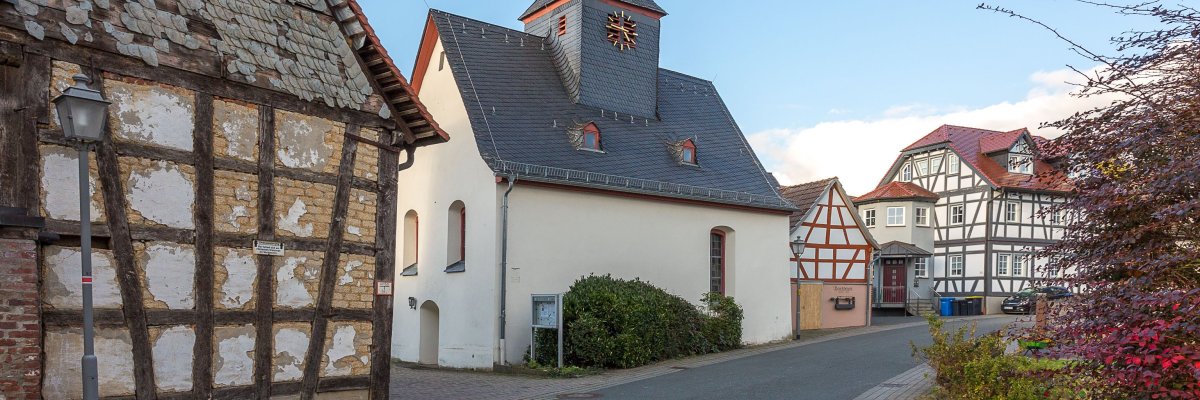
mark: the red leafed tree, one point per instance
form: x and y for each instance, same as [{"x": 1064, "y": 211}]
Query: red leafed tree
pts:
[{"x": 1133, "y": 242}]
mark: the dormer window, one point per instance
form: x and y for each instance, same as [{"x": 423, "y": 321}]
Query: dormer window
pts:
[
  {"x": 591, "y": 138},
  {"x": 586, "y": 136},
  {"x": 688, "y": 153},
  {"x": 1020, "y": 164}
]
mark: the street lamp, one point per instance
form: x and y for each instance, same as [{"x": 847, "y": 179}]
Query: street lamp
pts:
[
  {"x": 81, "y": 114},
  {"x": 797, "y": 248}
]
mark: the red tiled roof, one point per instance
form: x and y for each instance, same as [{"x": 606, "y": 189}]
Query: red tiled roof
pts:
[
  {"x": 804, "y": 196},
  {"x": 972, "y": 144},
  {"x": 896, "y": 191}
]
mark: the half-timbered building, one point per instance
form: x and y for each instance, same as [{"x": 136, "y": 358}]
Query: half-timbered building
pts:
[
  {"x": 830, "y": 279},
  {"x": 242, "y": 201},
  {"x": 988, "y": 220},
  {"x": 581, "y": 156}
]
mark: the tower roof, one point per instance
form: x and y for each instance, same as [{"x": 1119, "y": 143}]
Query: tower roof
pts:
[
  {"x": 897, "y": 191},
  {"x": 538, "y": 5}
]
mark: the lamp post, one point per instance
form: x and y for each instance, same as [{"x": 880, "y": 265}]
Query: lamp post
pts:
[
  {"x": 797, "y": 248},
  {"x": 81, "y": 114}
]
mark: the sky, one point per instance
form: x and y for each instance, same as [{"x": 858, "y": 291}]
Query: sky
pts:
[{"x": 837, "y": 88}]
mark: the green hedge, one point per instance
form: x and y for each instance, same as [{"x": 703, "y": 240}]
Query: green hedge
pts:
[{"x": 623, "y": 324}]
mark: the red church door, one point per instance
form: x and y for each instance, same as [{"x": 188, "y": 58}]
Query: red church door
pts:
[{"x": 895, "y": 278}]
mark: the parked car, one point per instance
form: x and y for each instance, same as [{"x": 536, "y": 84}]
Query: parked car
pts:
[{"x": 1025, "y": 301}]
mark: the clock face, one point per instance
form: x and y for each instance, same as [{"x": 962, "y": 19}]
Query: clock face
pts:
[{"x": 622, "y": 31}]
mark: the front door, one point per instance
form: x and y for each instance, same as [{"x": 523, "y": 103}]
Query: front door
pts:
[{"x": 894, "y": 282}]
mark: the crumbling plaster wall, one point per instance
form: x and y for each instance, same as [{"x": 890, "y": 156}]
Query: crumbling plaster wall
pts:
[{"x": 160, "y": 194}]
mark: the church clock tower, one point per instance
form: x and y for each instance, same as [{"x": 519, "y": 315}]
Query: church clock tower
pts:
[{"x": 606, "y": 51}]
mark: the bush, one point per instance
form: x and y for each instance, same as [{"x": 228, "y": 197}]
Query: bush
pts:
[
  {"x": 618, "y": 323},
  {"x": 976, "y": 367}
]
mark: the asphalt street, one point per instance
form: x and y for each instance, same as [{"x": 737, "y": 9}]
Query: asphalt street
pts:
[{"x": 838, "y": 369}]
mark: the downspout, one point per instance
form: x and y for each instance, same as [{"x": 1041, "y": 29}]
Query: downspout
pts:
[{"x": 512, "y": 179}]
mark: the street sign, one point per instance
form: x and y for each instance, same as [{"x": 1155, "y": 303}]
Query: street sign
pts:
[{"x": 383, "y": 288}]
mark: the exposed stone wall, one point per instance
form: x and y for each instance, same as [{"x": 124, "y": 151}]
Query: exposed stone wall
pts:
[
  {"x": 307, "y": 142},
  {"x": 235, "y": 202},
  {"x": 61, "y": 273},
  {"x": 354, "y": 282},
  {"x": 366, "y": 161},
  {"x": 303, "y": 209},
  {"x": 168, "y": 274},
  {"x": 155, "y": 114},
  {"x": 235, "y": 130},
  {"x": 360, "y": 217},
  {"x": 297, "y": 279},
  {"x": 20, "y": 331},
  {"x": 64, "y": 348}
]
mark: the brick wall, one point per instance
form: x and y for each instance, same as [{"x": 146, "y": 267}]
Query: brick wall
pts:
[{"x": 20, "y": 330}]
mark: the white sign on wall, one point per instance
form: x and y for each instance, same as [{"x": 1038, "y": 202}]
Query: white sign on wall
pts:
[{"x": 268, "y": 248}]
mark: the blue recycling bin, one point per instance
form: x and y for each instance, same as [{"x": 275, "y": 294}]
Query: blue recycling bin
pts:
[{"x": 947, "y": 306}]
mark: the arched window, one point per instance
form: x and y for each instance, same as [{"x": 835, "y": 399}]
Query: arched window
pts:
[
  {"x": 411, "y": 239},
  {"x": 591, "y": 138},
  {"x": 716, "y": 264},
  {"x": 688, "y": 153},
  {"x": 456, "y": 237},
  {"x": 906, "y": 173}
]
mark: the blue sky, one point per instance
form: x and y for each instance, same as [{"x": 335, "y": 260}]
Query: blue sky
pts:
[{"x": 786, "y": 68}]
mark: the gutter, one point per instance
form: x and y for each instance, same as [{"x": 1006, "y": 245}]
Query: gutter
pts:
[{"x": 512, "y": 179}]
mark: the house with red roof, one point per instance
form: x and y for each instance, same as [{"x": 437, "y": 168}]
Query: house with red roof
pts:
[
  {"x": 965, "y": 208},
  {"x": 832, "y": 270}
]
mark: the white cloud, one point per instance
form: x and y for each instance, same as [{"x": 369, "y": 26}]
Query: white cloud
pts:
[{"x": 860, "y": 151}]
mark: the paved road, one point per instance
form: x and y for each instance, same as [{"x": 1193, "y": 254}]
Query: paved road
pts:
[{"x": 839, "y": 369}]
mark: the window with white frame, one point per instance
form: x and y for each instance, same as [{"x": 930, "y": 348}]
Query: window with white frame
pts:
[
  {"x": 922, "y": 168},
  {"x": 869, "y": 217},
  {"x": 956, "y": 266},
  {"x": 958, "y": 213},
  {"x": 935, "y": 165},
  {"x": 895, "y": 216},
  {"x": 921, "y": 267},
  {"x": 952, "y": 164},
  {"x": 1020, "y": 164},
  {"x": 921, "y": 216},
  {"x": 1018, "y": 264},
  {"x": 1002, "y": 264},
  {"x": 906, "y": 173},
  {"x": 1056, "y": 217},
  {"x": 1012, "y": 211}
]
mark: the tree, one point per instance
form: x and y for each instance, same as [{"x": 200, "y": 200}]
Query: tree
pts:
[{"x": 1132, "y": 243}]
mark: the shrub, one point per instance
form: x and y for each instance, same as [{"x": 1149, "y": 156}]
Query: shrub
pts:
[
  {"x": 618, "y": 323},
  {"x": 976, "y": 367}
]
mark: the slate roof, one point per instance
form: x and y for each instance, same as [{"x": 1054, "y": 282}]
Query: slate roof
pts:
[
  {"x": 647, "y": 4},
  {"x": 971, "y": 146},
  {"x": 897, "y": 248},
  {"x": 897, "y": 191},
  {"x": 805, "y": 196},
  {"x": 521, "y": 114}
]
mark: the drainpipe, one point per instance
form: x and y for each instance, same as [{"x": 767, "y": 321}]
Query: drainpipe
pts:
[{"x": 512, "y": 179}]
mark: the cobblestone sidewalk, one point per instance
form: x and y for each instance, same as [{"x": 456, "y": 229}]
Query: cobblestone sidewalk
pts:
[
  {"x": 909, "y": 385},
  {"x": 414, "y": 382}
]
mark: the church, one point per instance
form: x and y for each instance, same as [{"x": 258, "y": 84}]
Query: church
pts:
[{"x": 574, "y": 153}]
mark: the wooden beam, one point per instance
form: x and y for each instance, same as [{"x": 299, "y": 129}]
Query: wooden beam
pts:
[
  {"x": 263, "y": 351},
  {"x": 385, "y": 240},
  {"x": 202, "y": 143},
  {"x": 329, "y": 266},
  {"x": 127, "y": 274},
  {"x": 23, "y": 98}
]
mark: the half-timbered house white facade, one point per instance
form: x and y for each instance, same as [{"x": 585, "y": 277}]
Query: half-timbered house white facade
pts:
[
  {"x": 831, "y": 276},
  {"x": 988, "y": 222}
]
